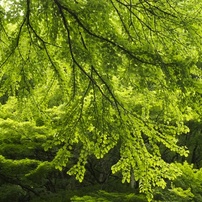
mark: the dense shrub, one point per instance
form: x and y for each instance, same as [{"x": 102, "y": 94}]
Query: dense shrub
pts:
[
  {"x": 185, "y": 188},
  {"x": 11, "y": 193}
]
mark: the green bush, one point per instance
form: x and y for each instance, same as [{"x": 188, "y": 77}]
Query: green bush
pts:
[
  {"x": 11, "y": 193},
  {"x": 109, "y": 197},
  {"x": 185, "y": 188}
]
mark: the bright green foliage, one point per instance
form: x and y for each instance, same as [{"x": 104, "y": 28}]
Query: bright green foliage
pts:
[
  {"x": 190, "y": 180},
  {"x": 184, "y": 194},
  {"x": 186, "y": 187},
  {"x": 89, "y": 76}
]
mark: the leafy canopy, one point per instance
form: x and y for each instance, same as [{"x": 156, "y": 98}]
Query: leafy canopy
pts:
[{"x": 102, "y": 74}]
